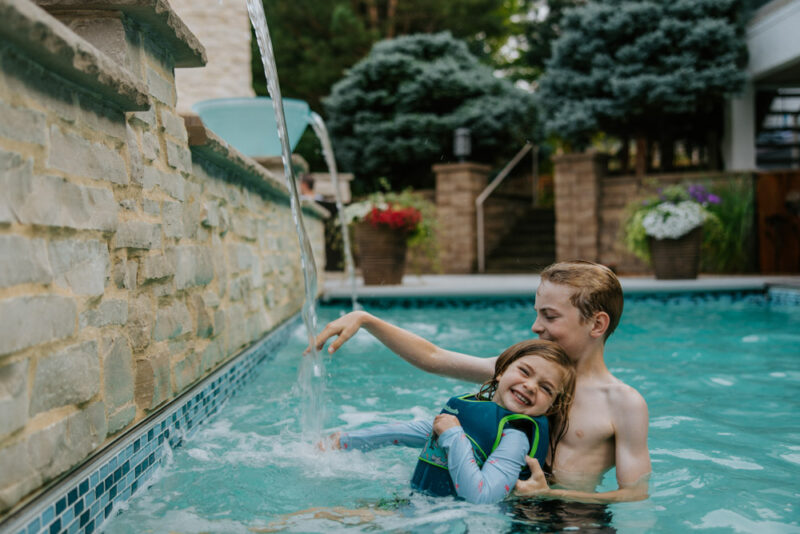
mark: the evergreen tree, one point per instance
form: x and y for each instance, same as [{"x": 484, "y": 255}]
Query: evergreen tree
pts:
[
  {"x": 646, "y": 68},
  {"x": 395, "y": 112}
]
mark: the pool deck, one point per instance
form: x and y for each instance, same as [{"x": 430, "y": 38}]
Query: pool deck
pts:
[{"x": 336, "y": 285}]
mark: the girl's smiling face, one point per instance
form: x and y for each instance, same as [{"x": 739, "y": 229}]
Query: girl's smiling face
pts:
[{"x": 529, "y": 385}]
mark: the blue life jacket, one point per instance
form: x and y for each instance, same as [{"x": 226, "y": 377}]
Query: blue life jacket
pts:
[{"x": 483, "y": 423}]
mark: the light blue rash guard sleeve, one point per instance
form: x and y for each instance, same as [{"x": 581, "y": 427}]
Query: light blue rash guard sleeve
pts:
[
  {"x": 407, "y": 434},
  {"x": 495, "y": 480},
  {"x": 490, "y": 484}
]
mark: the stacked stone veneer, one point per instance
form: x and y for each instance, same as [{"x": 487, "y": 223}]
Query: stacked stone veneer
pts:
[{"x": 131, "y": 264}]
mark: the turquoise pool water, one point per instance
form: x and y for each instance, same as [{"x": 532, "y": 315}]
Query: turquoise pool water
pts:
[{"x": 721, "y": 377}]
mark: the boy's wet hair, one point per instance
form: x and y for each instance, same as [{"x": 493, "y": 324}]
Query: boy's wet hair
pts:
[
  {"x": 595, "y": 288},
  {"x": 558, "y": 414}
]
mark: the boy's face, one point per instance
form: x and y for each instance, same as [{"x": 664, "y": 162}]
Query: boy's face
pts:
[{"x": 558, "y": 320}]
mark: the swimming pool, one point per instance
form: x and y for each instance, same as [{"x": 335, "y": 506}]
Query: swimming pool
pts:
[{"x": 720, "y": 374}]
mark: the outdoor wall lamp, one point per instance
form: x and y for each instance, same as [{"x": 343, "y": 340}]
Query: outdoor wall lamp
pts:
[{"x": 462, "y": 143}]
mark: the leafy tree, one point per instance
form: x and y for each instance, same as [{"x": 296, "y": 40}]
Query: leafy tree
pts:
[
  {"x": 394, "y": 113},
  {"x": 646, "y": 68},
  {"x": 533, "y": 29},
  {"x": 315, "y": 41}
]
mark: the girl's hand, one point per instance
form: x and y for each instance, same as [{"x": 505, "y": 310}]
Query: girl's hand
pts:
[
  {"x": 331, "y": 443},
  {"x": 536, "y": 485},
  {"x": 443, "y": 422},
  {"x": 344, "y": 327}
]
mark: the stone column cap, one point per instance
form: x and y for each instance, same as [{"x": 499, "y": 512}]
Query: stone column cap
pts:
[
  {"x": 155, "y": 15},
  {"x": 581, "y": 156},
  {"x": 460, "y": 167},
  {"x": 48, "y": 42},
  {"x": 206, "y": 144}
]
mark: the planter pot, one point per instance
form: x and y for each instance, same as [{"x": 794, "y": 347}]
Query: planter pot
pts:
[
  {"x": 381, "y": 253},
  {"x": 677, "y": 258}
]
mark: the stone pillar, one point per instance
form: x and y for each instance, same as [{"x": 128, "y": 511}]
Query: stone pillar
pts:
[
  {"x": 457, "y": 187},
  {"x": 577, "y": 190},
  {"x": 224, "y": 30}
]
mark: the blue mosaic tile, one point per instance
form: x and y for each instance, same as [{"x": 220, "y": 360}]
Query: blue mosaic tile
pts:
[{"x": 784, "y": 296}]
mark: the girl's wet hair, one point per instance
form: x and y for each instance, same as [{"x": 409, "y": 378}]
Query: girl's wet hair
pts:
[{"x": 558, "y": 414}]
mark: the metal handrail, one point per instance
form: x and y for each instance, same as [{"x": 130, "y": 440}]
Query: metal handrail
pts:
[{"x": 488, "y": 191}]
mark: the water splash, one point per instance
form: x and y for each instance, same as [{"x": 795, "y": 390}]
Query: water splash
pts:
[
  {"x": 311, "y": 378},
  {"x": 318, "y": 125}
]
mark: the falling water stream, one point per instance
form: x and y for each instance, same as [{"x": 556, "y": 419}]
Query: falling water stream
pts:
[
  {"x": 327, "y": 150},
  {"x": 311, "y": 379}
]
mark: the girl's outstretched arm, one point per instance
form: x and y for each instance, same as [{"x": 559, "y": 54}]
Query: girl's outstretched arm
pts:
[
  {"x": 408, "y": 434},
  {"x": 411, "y": 347}
]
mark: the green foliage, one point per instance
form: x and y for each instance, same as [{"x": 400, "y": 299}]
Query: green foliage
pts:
[
  {"x": 315, "y": 41},
  {"x": 643, "y": 67},
  {"x": 729, "y": 247},
  {"x": 394, "y": 113},
  {"x": 534, "y": 30}
]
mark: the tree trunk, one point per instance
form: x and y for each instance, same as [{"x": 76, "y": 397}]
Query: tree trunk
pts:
[
  {"x": 667, "y": 149},
  {"x": 712, "y": 141},
  {"x": 625, "y": 155},
  {"x": 372, "y": 14},
  {"x": 641, "y": 155},
  {"x": 391, "y": 12}
]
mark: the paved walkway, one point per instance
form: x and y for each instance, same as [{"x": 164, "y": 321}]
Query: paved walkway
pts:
[{"x": 336, "y": 285}]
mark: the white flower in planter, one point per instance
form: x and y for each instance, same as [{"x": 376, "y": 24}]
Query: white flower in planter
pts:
[{"x": 671, "y": 221}]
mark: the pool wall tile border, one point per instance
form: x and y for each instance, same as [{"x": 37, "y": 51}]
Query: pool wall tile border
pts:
[
  {"x": 784, "y": 295},
  {"x": 526, "y": 302},
  {"x": 92, "y": 494}
]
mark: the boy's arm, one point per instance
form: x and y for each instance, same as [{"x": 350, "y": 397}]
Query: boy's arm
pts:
[
  {"x": 632, "y": 458},
  {"x": 412, "y": 348}
]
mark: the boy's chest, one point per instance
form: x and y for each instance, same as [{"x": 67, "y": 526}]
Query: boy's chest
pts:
[{"x": 588, "y": 444}]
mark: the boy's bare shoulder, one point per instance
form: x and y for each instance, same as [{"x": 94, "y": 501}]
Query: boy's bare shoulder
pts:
[{"x": 624, "y": 397}]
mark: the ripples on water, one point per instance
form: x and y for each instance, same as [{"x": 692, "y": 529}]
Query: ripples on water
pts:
[{"x": 721, "y": 381}]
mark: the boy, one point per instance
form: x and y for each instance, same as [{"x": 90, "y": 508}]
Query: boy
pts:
[{"x": 578, "y": 305}]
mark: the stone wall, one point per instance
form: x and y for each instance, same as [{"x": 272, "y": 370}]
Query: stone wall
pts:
[{"x": 133, "y": 259}]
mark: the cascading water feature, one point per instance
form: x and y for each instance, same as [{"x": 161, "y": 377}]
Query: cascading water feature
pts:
[
  {"x": 318, "y": 125},
  {"x": 311, "y": 379}
]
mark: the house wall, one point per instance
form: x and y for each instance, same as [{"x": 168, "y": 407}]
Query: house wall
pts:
[
  {"x": 224, "y": 30},
  {"x": 773, "y": 44},
  {"x": 131, "y": 263}
]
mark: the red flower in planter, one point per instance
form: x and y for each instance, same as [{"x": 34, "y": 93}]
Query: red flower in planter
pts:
[{"x": 398, "y": 218}]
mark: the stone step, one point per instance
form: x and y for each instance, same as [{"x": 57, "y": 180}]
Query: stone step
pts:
[{"x": 528, "y": 247}]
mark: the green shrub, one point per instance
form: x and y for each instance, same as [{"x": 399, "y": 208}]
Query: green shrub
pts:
[{"x": 730, "y": 246}]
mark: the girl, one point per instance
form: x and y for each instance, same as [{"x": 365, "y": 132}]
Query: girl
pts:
[{"x": 475, "y": 448}]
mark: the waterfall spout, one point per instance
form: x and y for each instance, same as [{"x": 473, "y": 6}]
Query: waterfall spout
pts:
[{"x": 311, "y": 380}]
